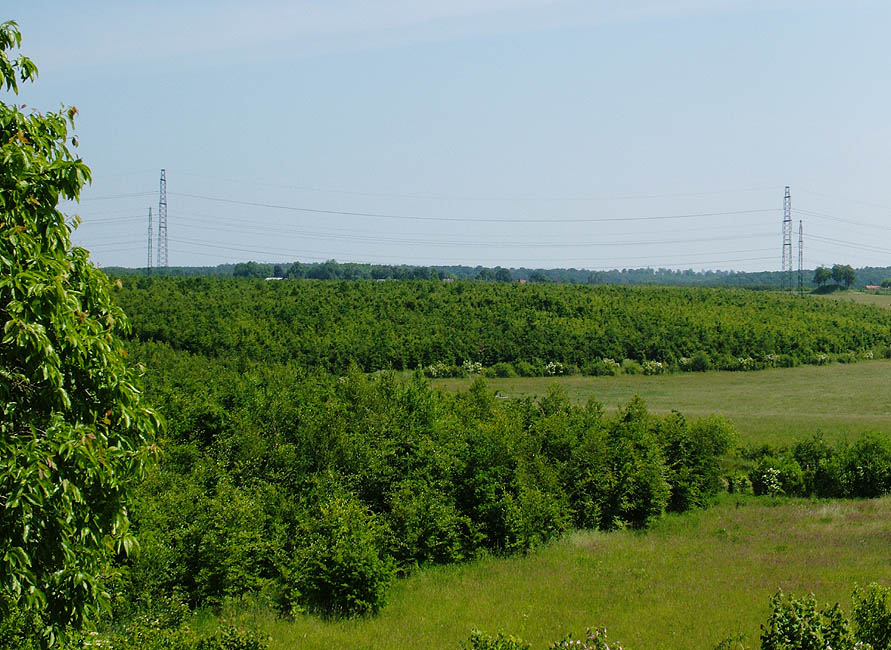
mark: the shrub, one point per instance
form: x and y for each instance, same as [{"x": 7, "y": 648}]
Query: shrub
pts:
[
  {"x": 603, "y": 368},
  {"x": 634, "y": 485},
  {"x": 341, "y": 567},
  {"x": 821, "y": 467},
  {"x": 480, "y": 641},
  {"x": 867, "y": 467},
  {"x": 631, "y": 367},
  {"x": 692, "y": 452},
  {"x": 426, "y": 526},
  {"x": 232, "y": 638},
  {"x": 653, "y": 367},
  {"x": 540, "y": 509},
  {"x": 872, "y": 615},
  {"x": 700, "y": 362},
  {"x": 797, "y": 624},
  {"x": 504, "y": 369},
  {"x": 774, "y": 475},
  {"x": 786, "y": 361},
  {"x": 525, "y": 369}
]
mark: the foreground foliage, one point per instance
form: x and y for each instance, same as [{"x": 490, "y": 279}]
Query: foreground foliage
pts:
[{"x": 74, "y": 432}]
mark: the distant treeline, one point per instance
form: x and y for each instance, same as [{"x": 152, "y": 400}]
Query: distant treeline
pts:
[
  {"x": 405, "y": 325},
  {"x": 332, "y": 270}
]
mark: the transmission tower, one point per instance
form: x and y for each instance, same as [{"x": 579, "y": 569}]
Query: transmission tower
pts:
[
  {"x": 800, "y": 258},
  {"x": 162, "y": 223},
  {"x": 148, "y": 265},
  {"x": 787, "y": 237}
]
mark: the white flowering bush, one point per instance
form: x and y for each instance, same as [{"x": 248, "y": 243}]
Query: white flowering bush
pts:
[
  {"x": 746, "y": 363},
  {"x": 869, "y": 354},
  {"x": 438, "y": 369},
  {"x": 653, "y": 367},
  {"x": 554, "y": 368},
  {"x": 771, "y": 482},
  {"x": 473, "y": 367}
]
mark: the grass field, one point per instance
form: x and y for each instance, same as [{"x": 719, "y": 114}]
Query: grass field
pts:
[
  {"x": 878, "y": 299},
  {"x": 777, "y": 405},
  {"x": 691, "y": 581}
]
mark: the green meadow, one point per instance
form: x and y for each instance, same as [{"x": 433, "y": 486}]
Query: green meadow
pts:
[
  {"x": 769, "y": 406},
  {"x": 880, "y": 299},
  {"x": 691, "y": 581}
]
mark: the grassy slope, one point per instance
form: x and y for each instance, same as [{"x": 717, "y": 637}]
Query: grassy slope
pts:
[
  {"x": 774, "y": 406},
  {"x": 690, "y": 582}
]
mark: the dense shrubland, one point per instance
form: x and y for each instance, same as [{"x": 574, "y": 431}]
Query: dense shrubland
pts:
[
  {"x": 311, "y": 491},
  {"x": 434, "y": 325},
  {"x": 813, "y": 467}
]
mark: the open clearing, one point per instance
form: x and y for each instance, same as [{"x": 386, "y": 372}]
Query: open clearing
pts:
[
  {"x": 691, "y": 581},
  {"x": 774, "y": 406}
]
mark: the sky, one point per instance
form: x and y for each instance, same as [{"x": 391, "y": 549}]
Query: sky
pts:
[{"x": 537, "y": 133}]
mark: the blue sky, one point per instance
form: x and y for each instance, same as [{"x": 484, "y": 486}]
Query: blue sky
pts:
[{"x": 537, "y": 133}]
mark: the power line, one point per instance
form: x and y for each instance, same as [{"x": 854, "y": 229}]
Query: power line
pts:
[
  {"x": 290, "y": 252},
  {"x": 451, "y": 197},
  {"x": 830, "y": 217},
  {"x": 377, "y": 215}
]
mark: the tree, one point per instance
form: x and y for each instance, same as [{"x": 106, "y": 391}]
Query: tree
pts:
[
  {"x": 822, "y": 275},
  {"x": 74, "y": 432},
  {"x": 886, "y": 283},
  {"x": 844, "y": 274},
  {"x": 503, "y": 275}
]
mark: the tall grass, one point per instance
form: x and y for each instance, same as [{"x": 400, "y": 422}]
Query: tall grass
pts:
[{"x": 689, "y": 582}]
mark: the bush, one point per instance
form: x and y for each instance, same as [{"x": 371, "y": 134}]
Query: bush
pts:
[
  {"x": 774, "y": 475},
  {"x": 692, "y": 453},
  {"x": 797, "y": 624},
  {"x": 341, "y": 568},
  {"x": 480, "y": 641},
  {"x": 872, "y": 615},
  {"x": 232, "y": 638},
  {"x": 635, "y": 489},
  {"x": 146, "y": 634},
  {"x": 602, "y": 368},
  {"x": 540, "y": 509},
  {"x": 525, "y": 369},
  {"x": 426, "y": 526},
  {"x": 504, "y": 369},
  {"x": 867, "y": 467},
  {"x": 700, "y": 362},
  {"x": 786, "y": 361},
  {"x": 821, "y": 467},
  {"x": 631, "y": 367}
]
